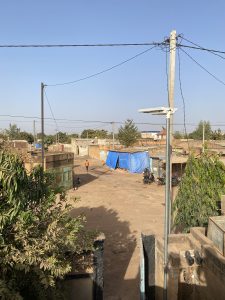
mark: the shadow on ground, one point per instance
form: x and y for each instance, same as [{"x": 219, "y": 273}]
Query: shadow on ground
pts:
[
  {"x": 118, "y": 249},
  {"x": 93, "y": 174},
  {"x": 85, "y": 178}
]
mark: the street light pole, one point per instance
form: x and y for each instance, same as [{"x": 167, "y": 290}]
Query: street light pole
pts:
[
  {"x": 168, "y": 111},
  {"x": 167, "y": 218}
]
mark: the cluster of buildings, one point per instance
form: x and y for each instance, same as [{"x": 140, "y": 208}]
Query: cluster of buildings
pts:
[
  {"x": 60, "y": 157},
  {"x": 196, "y": 268}
]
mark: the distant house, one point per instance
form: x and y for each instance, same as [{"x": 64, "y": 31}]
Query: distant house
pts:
[
  {"x": 82, "y": 147},
  {"x": 162, "y": 134},
  {"x": 158, "y": 165},
  {"x": 151, "y": 134}
]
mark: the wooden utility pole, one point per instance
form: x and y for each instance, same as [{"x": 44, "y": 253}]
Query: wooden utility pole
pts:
[{"x": 173, "y": 42}]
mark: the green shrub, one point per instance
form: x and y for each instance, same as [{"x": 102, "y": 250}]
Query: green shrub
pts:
[
  {"x": 38, "y": 238},
  {"x": 199, "y": 192}
]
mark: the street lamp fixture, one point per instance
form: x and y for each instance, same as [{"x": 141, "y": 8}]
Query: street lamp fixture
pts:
[
  {"x": 168, "y": 111},
  {"x": 158, "y": 110}
]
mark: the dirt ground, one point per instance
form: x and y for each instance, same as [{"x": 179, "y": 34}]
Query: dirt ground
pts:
[{"x": 121, "y": 206}]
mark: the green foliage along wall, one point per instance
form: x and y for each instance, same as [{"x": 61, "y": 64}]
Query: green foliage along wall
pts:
[
  {"x": 199, "y": 192},
  {"x": 38, "y": 238}
]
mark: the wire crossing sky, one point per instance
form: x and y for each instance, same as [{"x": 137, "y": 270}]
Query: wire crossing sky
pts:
[{"x": 104, "y": 47}]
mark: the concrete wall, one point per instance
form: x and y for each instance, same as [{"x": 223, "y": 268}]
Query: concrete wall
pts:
[
  {"x": 88, "y": 283},
  {"x": 98, "y": 152},
  {"x": 94, "y": 151},
  {"x": 203, "y": 280},
  {"x": 61, "y": 164}
]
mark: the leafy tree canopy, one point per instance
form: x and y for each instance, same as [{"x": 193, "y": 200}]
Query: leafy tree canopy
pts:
[
  {"x": 38, "y": 238},
  {"x": 217, "y": 135},
  {"x": 197, "y": 134},
  {"x": 178, "y": 135},
  {"x": 128, "y": 134},
  {"x": 199, "y": 192},
  {"x": 62, "y": 137},
  {"x": 91, "y": 134},
  {"x": 14, "y": 133},
  {"x": 26, "y": 136}
]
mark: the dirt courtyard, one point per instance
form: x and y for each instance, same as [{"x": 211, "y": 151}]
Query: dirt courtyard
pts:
[{"x": 121, "y": 206}]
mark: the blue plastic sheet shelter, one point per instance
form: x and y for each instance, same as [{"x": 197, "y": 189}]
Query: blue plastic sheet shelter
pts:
[
  {"x": 112, "y": 159},
  {"x": 133, "y": 162},
  {"x": 138, "y": 162},
  {"x": 124, "y": 160}
]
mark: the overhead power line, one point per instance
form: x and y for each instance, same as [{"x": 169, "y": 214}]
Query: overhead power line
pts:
[
  {"x": 195, "y": 46},
  {"x": 200, "y": 48},
  {"x": 103, "y": 71},
  {"x": 214, "y": 52},
  {"x": 182, "y": 96},
  {"x": 203, "y": 68},
  {"x": 79, "y": 45},
  {"x": 222, "y": 124},
  {"x": 51, "y": 111}
]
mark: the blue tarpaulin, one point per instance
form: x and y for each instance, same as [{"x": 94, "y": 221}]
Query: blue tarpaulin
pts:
[
  {"x": 38, "y": 146},
  {"x": 124, "y": 159},
  {"x": 112, "y": 159},
  {"x": 133, "y": 162},
  {"x": 139, "y": 161}
]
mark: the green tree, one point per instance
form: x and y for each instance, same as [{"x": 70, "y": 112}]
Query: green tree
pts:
[
  {"x": 217, "y": 135},
  {"x": 23, "y": 135},
  {"x": 49, "y": 139},
  {"x": 197, "y": 134},
  {"x": 91, "y": 134},
  {"x": 38, "y": 238},
  {"x": 13, "y": 132},
  {"x": 178, "y": 135},
  {"x": 199, "y": 192},
  {"x": 102, "y": 134},
  {"x": 63, "y": 137},
  {"x": 128, "y": 134},
  {"x": 74, "y": 135}
]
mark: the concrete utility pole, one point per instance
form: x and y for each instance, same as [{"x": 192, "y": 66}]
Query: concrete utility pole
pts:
[
  {"x": 173, "y": 42},
  {"x": 171, "y": 85},
  {"x": 42, "y": 126}
]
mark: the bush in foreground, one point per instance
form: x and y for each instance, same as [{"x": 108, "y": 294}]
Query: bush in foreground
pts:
[
  {"x": 38, "y": 238},
  {"x": 199, "y": 192}
]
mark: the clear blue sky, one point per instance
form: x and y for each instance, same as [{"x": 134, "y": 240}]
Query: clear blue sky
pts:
[{"x": 118, "y": 94}]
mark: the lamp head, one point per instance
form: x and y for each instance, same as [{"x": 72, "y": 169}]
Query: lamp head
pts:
[{"x": 158, "y": 110}]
